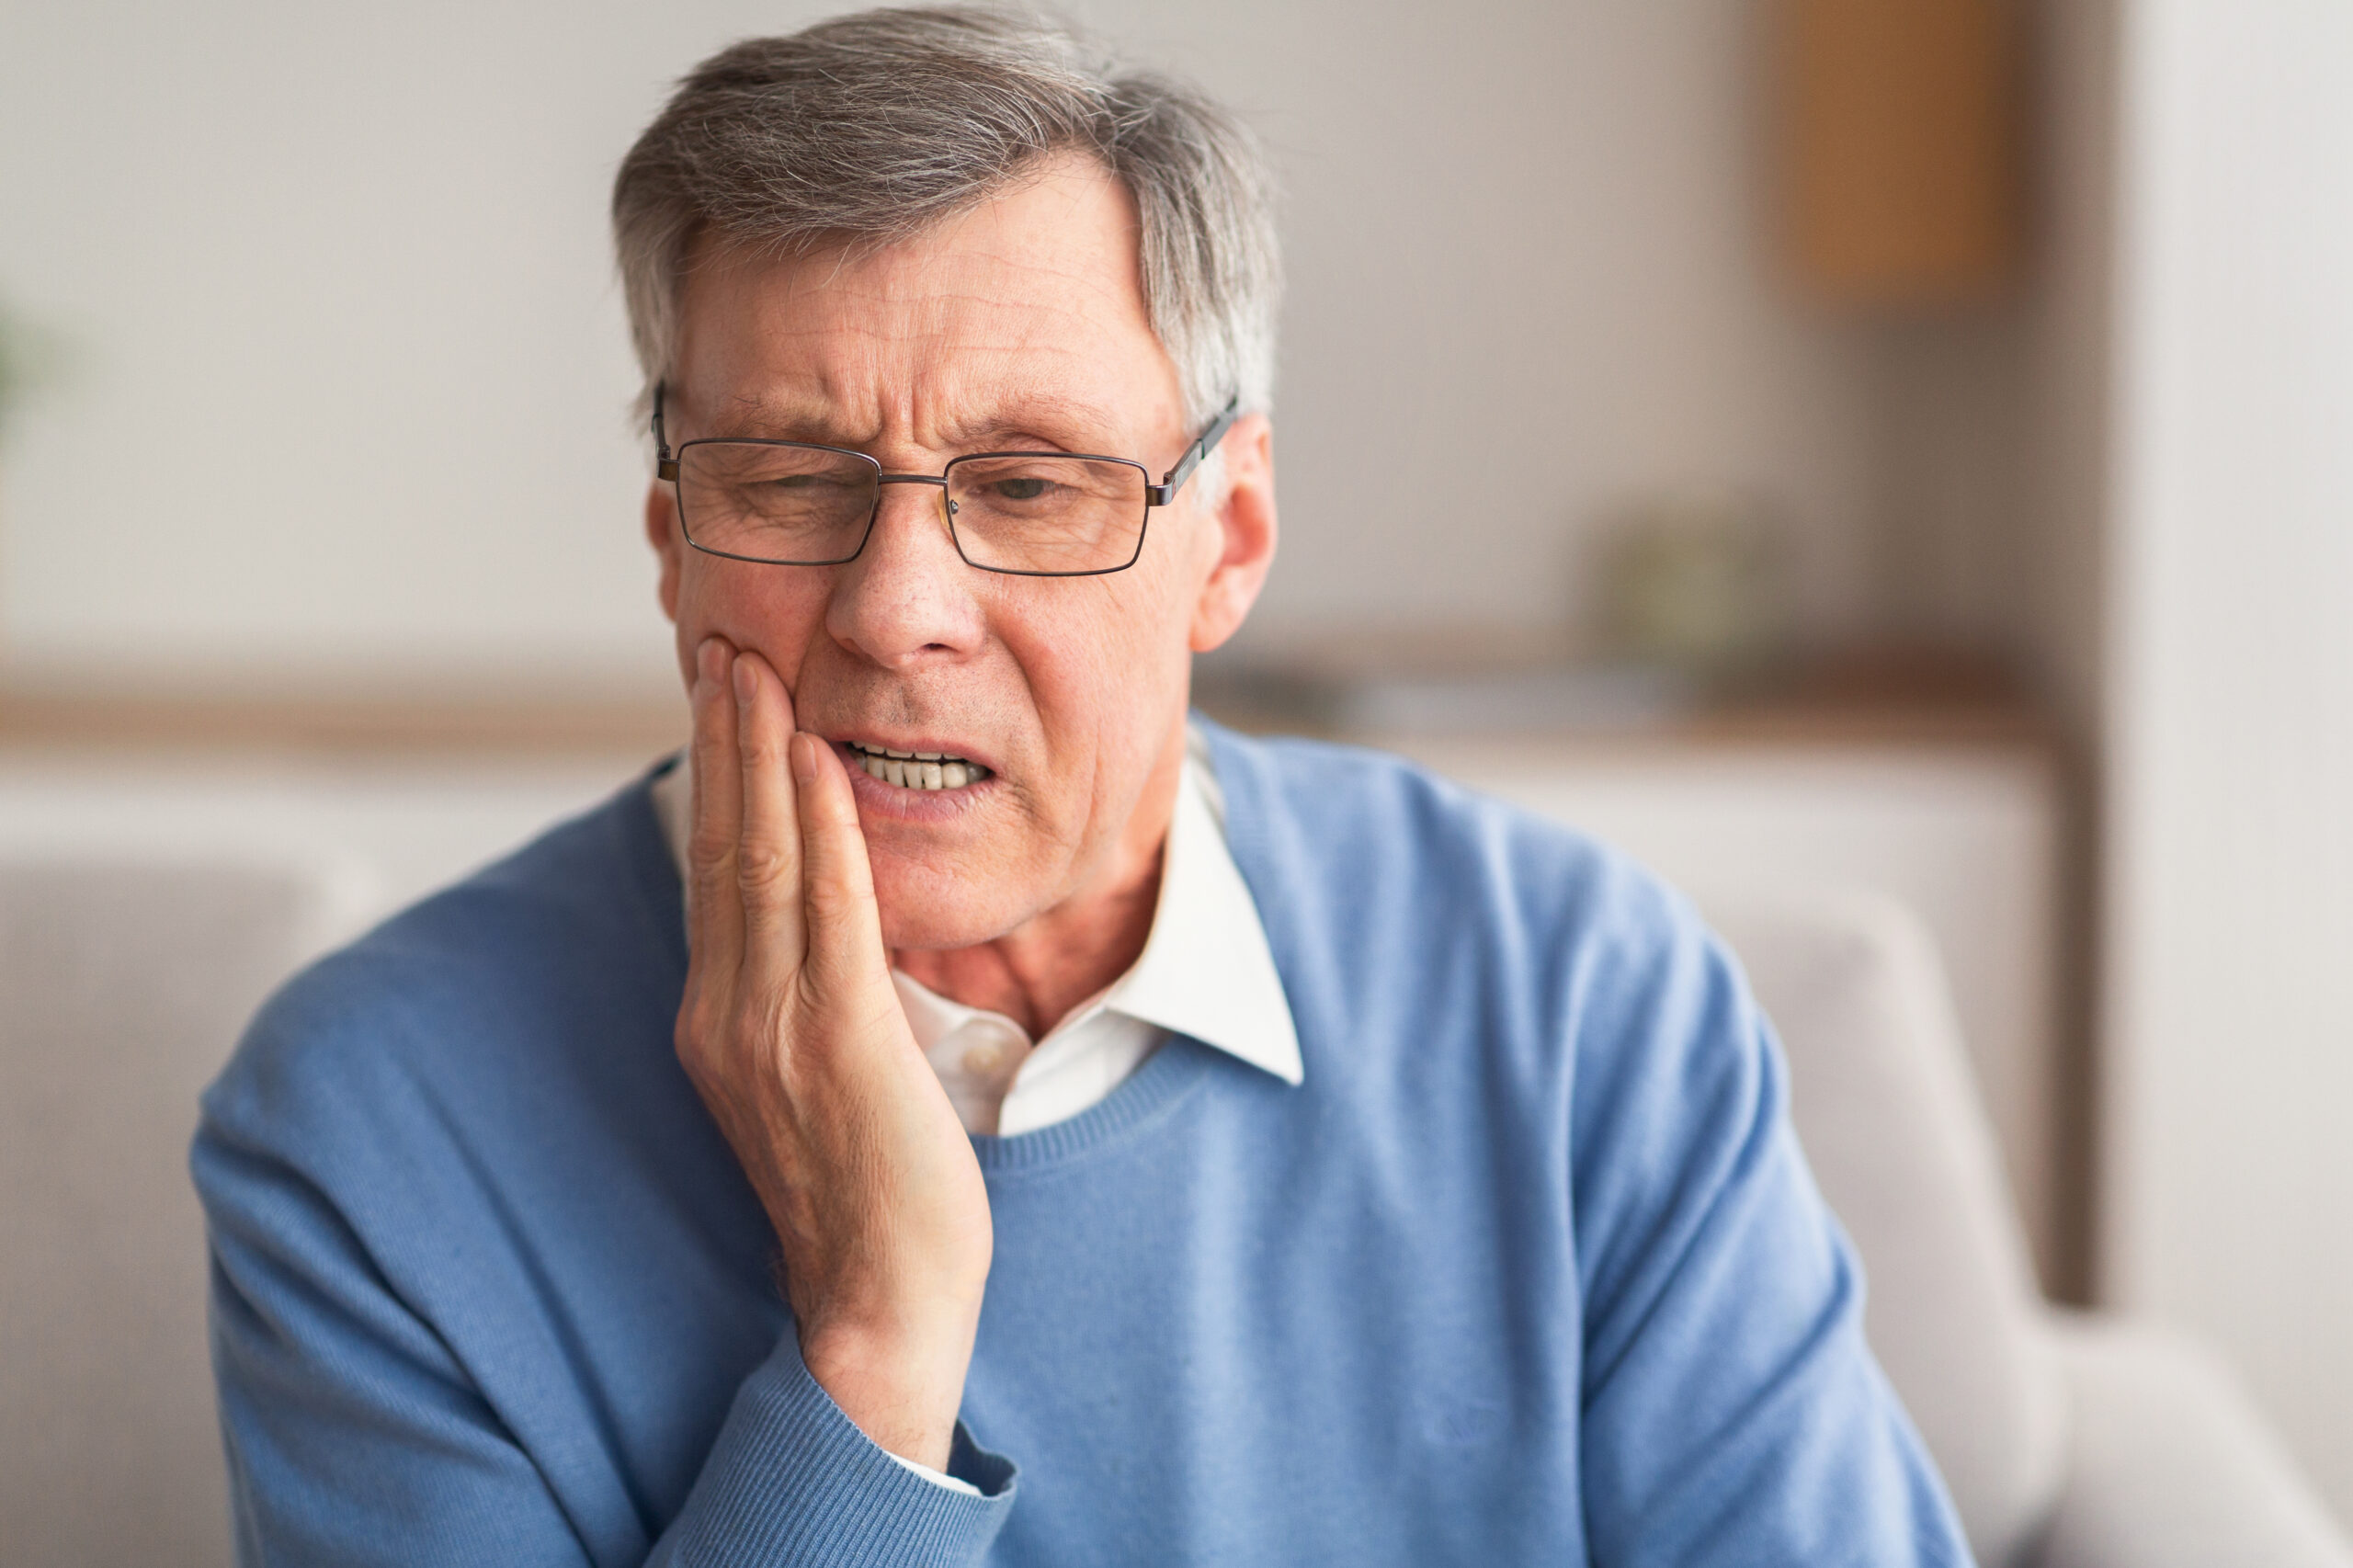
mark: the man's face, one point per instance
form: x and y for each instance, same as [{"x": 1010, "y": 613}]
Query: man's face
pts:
[{"x": 1019, "y": 325}]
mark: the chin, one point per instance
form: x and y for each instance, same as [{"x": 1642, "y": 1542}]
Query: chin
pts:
[{"x": 934, "y": 908}]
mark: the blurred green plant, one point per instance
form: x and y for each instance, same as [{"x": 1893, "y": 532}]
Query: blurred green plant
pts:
[
  {"x": 1697, "y": 580},
  {"x": 28, "y": 357}
]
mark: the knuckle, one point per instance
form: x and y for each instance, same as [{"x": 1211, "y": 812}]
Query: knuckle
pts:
[
  {"x": 695, "y": 1026},
  {"x": 709, "y": 852},
  {"x": 762, "y": 752},
  {"x": 763, "y": 864},
  {"x": 694, "y": 1050},
  {"x": 830, "y": 901}
]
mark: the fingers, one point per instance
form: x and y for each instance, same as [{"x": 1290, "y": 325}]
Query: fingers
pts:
[
  {"x": 715, "y": 904},
  {"x": 769, "y": 851},
  {"x": 779, "y": 881},
  {"x": 844, "y": 926}
]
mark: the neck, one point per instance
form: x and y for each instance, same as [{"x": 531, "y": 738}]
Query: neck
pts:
[{"x": 1037, "y": 973}]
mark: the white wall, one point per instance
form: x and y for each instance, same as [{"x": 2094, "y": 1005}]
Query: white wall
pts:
[
  {"x": 2231, "y": 703},
  {"x": 350, "y": 379}
]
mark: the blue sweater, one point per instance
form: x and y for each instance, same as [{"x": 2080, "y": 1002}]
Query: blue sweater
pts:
[{"x": 1529, "y": 1269}]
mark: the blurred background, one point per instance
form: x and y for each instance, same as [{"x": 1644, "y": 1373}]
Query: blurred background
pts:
[{"x": 1900, "y": 446}]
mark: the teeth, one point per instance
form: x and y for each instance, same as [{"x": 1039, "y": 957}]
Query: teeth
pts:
[{"x": 917, "y": 770}]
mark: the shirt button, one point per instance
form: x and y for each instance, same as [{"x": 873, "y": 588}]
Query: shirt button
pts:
[{"x": 983, "y": 1059}]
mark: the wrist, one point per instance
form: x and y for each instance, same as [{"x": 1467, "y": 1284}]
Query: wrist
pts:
[{"x": 900, "y": 1383}]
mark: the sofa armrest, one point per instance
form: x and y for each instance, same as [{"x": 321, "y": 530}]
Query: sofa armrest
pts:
[{"x": 2170, "y": 1466}]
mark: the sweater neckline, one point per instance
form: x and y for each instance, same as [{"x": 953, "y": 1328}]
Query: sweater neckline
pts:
[{"x": 1166, "y": 1078}]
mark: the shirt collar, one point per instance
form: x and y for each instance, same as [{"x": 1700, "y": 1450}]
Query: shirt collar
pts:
[{"x": 1206, "y": 970}]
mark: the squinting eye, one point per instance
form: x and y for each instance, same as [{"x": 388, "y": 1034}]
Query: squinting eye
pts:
[{"x": 1021, "y": 489}]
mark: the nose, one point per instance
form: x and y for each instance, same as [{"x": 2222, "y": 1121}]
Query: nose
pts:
[{"x": 908, "y": 599}]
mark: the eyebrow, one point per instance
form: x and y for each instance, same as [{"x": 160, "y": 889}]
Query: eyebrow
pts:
[{"x": 1038, "y": 416}]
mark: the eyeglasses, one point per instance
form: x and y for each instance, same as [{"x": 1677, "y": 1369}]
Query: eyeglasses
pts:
[{"x": 1025, "y": 514}]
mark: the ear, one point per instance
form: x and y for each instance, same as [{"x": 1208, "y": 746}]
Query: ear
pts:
[
  {"x": 662, "y": 533},
  {"x": 1247, "y": 530}
]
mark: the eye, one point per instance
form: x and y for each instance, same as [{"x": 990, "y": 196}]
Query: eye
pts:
[{"x": 1021, "y": 489}]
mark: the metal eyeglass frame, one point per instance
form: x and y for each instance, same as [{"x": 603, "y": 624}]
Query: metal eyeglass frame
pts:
[{"x": 666, "y": 466}]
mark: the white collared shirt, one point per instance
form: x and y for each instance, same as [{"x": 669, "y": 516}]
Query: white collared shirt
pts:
[{"x": 1205, "y": 971}]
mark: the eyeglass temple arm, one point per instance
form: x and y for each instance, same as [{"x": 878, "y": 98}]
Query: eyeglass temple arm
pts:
[
  {"x": 1163, "y": 493},
  {"x": 664, "y": 465}
]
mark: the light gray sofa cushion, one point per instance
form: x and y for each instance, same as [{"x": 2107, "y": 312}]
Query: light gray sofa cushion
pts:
[
  {"x": 2170, "y": 1467},
  {"x": 122, "y": 988}
]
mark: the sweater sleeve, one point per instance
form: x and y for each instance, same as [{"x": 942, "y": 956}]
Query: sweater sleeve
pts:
[
  {"x": 354, "y": 1434},
  {"x": 1732, "y": 1412}
]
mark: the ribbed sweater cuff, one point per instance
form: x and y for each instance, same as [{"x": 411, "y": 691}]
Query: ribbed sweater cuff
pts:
[{"x": 791, "y": 1480}]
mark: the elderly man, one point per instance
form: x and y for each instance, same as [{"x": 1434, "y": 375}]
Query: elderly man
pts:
[{"x": 969, "y": 1110}]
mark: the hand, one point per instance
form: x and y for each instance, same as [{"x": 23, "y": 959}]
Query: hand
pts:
[{"x": 793, "y": 1035}]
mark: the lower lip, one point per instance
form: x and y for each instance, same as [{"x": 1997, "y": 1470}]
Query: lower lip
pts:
[{"x": 876, "y": 798}]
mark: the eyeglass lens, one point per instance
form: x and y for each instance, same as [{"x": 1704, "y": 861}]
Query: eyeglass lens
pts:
[
  {"x": 1046, "y": 514},
  {"x": 811, "y": 505},
  {"x": 801, "y": 506}
]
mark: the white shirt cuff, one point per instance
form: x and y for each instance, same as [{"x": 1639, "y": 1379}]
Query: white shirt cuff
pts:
[{"x": 950, "y": 1481}]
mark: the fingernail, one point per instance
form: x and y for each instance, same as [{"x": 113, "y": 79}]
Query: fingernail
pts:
[
  {"x": 804, "y": 756},
  {"x": 746, "y": 682}
]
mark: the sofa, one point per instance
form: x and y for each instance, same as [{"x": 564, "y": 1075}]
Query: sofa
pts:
[{"x": 2069, "y": 1440}]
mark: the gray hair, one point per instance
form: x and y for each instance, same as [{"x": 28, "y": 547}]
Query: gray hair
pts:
[{"x": 867, "y": 128}]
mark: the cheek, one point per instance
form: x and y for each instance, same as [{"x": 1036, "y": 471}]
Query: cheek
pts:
[
  {"x": 1196, "y": 545},
  {"x": 1140, "y": 656},
  {"x": 774, "y": 611},
  {"x": 1097, "y": 661}
]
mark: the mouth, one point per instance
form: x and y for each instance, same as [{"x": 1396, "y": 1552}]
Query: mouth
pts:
[{"x": 917, "y": 769}]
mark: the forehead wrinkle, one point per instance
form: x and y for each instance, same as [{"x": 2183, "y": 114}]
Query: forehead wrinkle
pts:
[
  {"x": 937, "y": 318},
  {"x": 1016, "y": 408},
  {"x": 945, "y": 325},
  {"x": 907, "y": 278}
]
